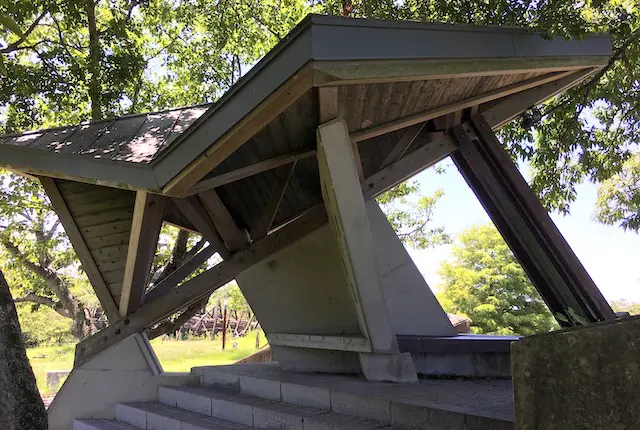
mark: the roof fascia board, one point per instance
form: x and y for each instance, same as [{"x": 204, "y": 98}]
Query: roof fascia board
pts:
[
  {"x": 230, "y": 110},
  {"x": 81, "y": 169},
  {"x": 378, "y": 71},
  {"x": 376, "y": 40}
]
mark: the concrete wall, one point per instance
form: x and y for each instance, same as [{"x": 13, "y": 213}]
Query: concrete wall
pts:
[
  {"x": 303, "y": 290},
  {"x": 129, "y": 371},
  {"x": 585, "y": 378},
  {"x": 412, "y": 306}
]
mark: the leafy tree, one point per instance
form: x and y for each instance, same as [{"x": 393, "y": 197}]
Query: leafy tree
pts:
[
  {"x": 619, "y": 197},
  {"x": 411, "y": 215},
  {"x": 487, "y": 284},
  {"x": 38, "y": 256}
]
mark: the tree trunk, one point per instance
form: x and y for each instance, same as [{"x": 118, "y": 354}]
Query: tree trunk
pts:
[
  {"x": 95, "y": 55},
  {"x": 21, "y": 406}
]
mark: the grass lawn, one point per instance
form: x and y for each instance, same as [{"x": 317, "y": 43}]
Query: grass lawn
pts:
[{"x": 175, "y": 356}]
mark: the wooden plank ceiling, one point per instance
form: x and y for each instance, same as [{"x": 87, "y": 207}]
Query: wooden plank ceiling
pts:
[
  {"x": 363, "y": 107},
  {"x": 103, "y": 216}
]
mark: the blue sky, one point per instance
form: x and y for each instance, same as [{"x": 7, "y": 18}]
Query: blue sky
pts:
[{"x": 610, "y": 255}]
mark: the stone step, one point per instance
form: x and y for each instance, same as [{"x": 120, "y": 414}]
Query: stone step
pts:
[
  {"x": 158, "y": 416},
  {"x": 256, "y": 412},
  {"x": 432, "y": 404}
]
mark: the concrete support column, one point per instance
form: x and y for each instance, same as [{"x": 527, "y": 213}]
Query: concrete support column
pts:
[{"x": 348, "y": 220}]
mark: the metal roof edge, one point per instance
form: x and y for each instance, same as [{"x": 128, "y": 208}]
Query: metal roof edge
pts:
[{"x": 334, "y": 20}]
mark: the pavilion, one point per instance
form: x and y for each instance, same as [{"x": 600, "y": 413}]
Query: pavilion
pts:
[{"x": 280, "y": 176}]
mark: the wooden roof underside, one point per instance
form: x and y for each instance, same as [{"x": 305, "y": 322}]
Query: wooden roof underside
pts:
[{"x": 386, "y": 104}]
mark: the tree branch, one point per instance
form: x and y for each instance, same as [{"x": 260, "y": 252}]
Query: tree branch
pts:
[
  {"x": 31, "y": 266},
  {"x": 16, "y": 45},
  {"x": 48, "y": 235},
  {"x": 57, "y": 284},
  {"x": 31, "y": 297}
]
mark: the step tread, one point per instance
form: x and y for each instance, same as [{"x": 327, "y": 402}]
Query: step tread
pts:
[
  {"x": 199, "y": 421},
  {"x": 244, "y": 399},
  {"x": 318, "y": 416},
  {"x": 102, "y": 425}
]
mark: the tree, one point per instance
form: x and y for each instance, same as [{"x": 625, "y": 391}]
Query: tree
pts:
[
  {"x": 39, "y": 257},
  {"x": 619, "y": 197},
  {"x": 486, "y": 283},
  {"x": 411, "y": 215},
  {"x": 21, "y": 406}
]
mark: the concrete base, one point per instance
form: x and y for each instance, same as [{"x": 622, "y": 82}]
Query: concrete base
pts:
[
  {"x": 465, "y": 364},
  {"x": 388, "y": 368},
  {"x": 92, "y": 390},
  {"x": 584, "y": 378}
]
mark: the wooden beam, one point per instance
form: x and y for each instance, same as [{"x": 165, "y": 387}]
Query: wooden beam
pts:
[
  {"x": 82, "y": 250},
  {"x": 173, "y": 325},
  {"x": 418, "y": 118},
  {"x": 333, "y": 343},
  {"x": 328, "y": 109},
  {"x": 327, "y": 104},
  {"x": 232, "y": 236},
  {"x": 198, "y": 216},
  {"x": 148, "y": 214},
  {"x": 178, "y": 275},
  {"x": 580, "y": 282},
  {"x": 408, "y": 166},
  {"x": 495, "y": 180},
  {"x": 197, "y": 288},
  {"x": 407, "y": 139},
  {"x": 277, "y": 193},
  {"x": 516, "y": 104},
  {"x": 358, "y": 72},
  {"x": 245, "y": 172},
  {"x": 342, "y": 196},
  {"x": 242, "y": 131}
]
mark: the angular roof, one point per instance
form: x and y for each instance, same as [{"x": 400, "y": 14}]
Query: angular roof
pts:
[{"x": 169, "y": 151}]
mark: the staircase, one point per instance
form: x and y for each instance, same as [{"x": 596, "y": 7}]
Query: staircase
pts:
[{"x": 262, "y": 396}]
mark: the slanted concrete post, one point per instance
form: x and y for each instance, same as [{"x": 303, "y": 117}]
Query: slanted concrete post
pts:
[{"x": 349, "y": 223}]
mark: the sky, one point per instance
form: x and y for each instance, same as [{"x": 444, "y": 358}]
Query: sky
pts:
[{"x": 610, "y": 255}]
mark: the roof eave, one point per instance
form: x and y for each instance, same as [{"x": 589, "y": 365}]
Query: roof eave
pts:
[{"x": 82, "y": 169}]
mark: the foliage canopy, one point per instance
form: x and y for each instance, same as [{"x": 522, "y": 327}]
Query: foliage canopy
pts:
[{"x": 486, "y": 283}]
